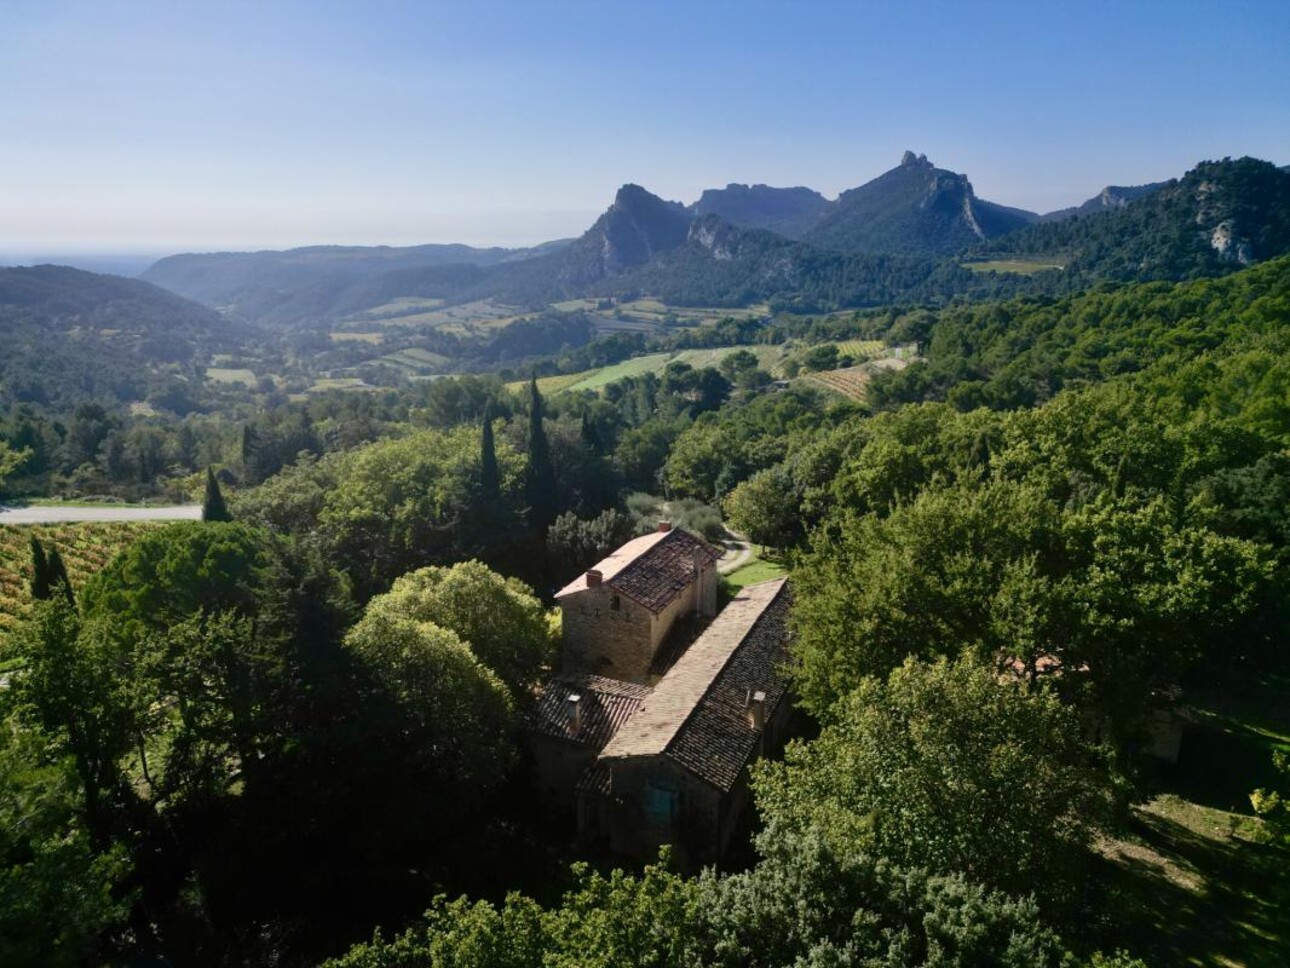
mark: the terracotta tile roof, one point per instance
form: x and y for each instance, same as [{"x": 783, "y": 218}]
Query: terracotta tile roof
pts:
[
  {"x": 697, "y": 713},
  {"x": 716, "y": 742},
  {"x": 606, "y": 704},
  {"x": 652, "y": 569}
]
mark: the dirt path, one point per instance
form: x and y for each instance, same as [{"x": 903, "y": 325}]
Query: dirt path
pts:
[
  {"x": 738, "y": 553},
  {"x": 61, "y": 514}
]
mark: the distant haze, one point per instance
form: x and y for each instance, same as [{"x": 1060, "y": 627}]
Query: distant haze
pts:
[{"x": 144, "y": 126}]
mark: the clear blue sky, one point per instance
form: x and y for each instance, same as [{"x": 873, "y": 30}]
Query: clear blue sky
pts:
[{"x": 168, "y": 126}]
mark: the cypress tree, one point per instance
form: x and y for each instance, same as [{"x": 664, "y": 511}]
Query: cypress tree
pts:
[
  {"x": 541, "y": 474},
  {"x": 250, "y": 452},
  {"x": 39, "y": 571},
  {"x": 213, "y": 506},
  {"x": 58, "y": 576},
  {"x": 490, "y": 482},
  {"x": 589, "y": 435}
]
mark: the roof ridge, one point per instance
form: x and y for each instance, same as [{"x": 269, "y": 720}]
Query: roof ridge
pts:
[
  {"x": 647, "y": 734},
  {"x": 707, "y": 690}
]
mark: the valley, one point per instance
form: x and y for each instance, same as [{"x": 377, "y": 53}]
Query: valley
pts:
[{"x": 1014, "y": 474}]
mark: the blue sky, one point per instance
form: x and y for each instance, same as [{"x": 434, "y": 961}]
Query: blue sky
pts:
[{"x": 168, "y": 126}]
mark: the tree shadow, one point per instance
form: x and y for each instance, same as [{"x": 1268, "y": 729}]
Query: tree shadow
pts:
[{"x": 1181, "y": 898}]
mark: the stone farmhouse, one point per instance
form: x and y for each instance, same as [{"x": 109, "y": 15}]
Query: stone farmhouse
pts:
[{"x": 647, "y": 732}]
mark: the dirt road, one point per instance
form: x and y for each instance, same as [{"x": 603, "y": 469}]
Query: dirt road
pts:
[{"x": 61, "y": 514}]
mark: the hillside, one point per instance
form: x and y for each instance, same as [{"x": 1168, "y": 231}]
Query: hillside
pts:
[
  {"x": 1219, "y": 217},
  {"x": 914, "y": 209},
  {"x": 73, "y": 335}
]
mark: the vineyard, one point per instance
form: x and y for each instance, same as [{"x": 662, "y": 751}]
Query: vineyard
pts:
[
  {"x": 849, "y": 382},
  {"x": 85, "y": 547}
]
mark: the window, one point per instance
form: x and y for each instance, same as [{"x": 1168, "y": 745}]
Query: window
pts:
[{"x": 615, "y": 604}]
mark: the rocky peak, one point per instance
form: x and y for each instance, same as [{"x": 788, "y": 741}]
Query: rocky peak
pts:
[
  {"x": 909, "y": 158},
  {"x": 634, "y": 228},
  {"x": 634, "y": 198}
]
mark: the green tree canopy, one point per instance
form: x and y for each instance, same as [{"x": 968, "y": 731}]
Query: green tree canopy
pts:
[
  {"x": 57, "y": 895},
  {"x": 178, "y": 571},
  {"x": 452, "y": 716},
  {"x": 808, "y": 902},
  {"x": 540, "y": 482},
  {"x": 948, "y": 766},
  {"x": 498, "y": 618}
]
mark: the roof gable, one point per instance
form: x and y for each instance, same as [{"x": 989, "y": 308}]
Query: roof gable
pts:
[{"x": 652, "y": 569}]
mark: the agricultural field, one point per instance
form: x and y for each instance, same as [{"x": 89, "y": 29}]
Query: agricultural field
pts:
[
  {"x": 770, "y": 358},
  {"x": 861, "y": 349},
  {"x": 851, "y": 382},
  {"x": 403, "y": 306},
  {"x": 1021, "y": 267},
  {"x": 339, "y": 383},
  {"x": 85, "y": 547},
  {"x": 636, "y": 366},
  {"x": 548, "y": 385},
  {"x": 415, "y": 359},
  {"x": 373, "y": 338},
  {"x": 220, "y": 374},
  {"x": 463, "y": 319},
  {"x": 646, "y": 314}
]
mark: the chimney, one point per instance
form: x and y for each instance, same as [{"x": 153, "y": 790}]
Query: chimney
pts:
[
  {"x": 594, "y": 577},
  {"x": 755, "y": 705},
  {"x": 573, "y": 711},
  {"x": 664, "y": 527}
]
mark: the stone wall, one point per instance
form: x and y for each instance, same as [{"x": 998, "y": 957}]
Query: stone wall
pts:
[
  {"x": 618, "y": 643},
  {"x": 557, "y": 766}
]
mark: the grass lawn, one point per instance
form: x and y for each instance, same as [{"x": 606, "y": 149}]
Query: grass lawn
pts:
[
  {"x": 757, "y": 569},
  {"x": 1191, "y": 882}
]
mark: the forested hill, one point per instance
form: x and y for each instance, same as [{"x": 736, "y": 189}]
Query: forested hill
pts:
[
  {"x": 1110, "y": 197},
  {"x": 1020, "y": 353},
  {"x": 1219, "y": 217},
  {"x": 276, "y": 288},
  {"x": 72, "y": 335}
]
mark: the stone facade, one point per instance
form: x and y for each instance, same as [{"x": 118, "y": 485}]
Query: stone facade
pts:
[
  {"x": 617, "y": 616},
  {"x": 608, "y": 634}
]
